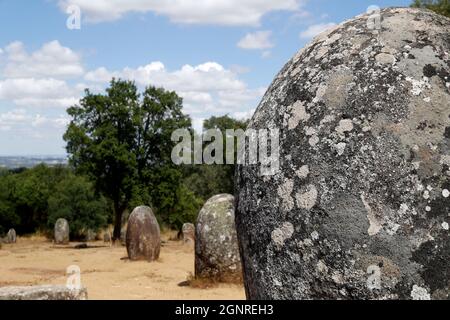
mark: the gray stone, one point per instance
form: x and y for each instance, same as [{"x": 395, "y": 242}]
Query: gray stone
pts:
[
  {"x": 107, "y": 236},
  {"x": 62, "y": 231},
  {"x": 363, "y": 211},
  {"x": 143, "y": 238},
  {"x": 123, "y": 235},
  {"x": 11, "y": 236},
  {"x": 91, "y": 236},
  {"x": 216, "y": 247},
  {"x": 47, "y": 292},
  {"x": 188, "y": 231}
]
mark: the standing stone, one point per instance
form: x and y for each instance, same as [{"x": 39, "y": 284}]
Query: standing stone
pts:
[
  {"x": 188, "y": 231},
  {"x": 360, "y": 206},
  {"x": 143, "y": 239},
  {"x": 107, "y": 236},
  {"x": 216, "y": 247},
  {"x": 11, "y": 236},
  {"x": 62, "y": 231},
  {"x": 91, "y": 236},
  {"x": 45, "y": 292},
  {"x": 123, "y": 235}
]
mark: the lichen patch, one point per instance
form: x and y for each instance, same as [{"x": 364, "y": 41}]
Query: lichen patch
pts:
[{"x": 307, "y": 199}]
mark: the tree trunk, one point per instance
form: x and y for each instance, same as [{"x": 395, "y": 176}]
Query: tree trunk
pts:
[{"x": 118, "y": 212}]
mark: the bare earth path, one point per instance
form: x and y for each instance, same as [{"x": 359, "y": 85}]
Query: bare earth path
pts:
[{"x": 105, "y": 273}]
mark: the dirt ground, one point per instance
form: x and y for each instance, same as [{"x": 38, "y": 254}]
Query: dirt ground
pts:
[{"x": 105, "y": 271}]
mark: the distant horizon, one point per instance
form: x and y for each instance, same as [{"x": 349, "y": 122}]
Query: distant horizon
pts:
[{"x": 34, "y": 155}]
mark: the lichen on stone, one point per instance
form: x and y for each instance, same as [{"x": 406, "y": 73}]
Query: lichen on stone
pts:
[{"x": 368, "y": 114}]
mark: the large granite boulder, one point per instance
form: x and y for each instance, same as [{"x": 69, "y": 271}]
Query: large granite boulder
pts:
[
  {"x": 62, "y": 231},
  {"x": 47, "y": 292},
  {"x": 360, "y": 206},
  {"x": 216, "y": 248},
  {"x": 143, "y": 239}
]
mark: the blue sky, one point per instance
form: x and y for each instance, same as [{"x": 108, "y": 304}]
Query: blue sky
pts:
[{"x": 219, "y": 55}]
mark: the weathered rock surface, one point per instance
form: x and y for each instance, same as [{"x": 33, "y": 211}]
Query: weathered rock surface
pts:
[
  {"x": 11, "y": 236},
  {"x": 143, "y": 239},
  {"x": 48, "y": 292},
  {"x": 188, "y": 231},
  {"x": 216, "y": 247},
  {"x": 360, "y": 206},
  {"x": 62, "y": 231}
]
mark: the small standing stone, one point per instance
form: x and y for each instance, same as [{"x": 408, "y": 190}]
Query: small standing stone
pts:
[
  {"x": 11, "y": 237},
  {"x": 216, "y": 246},
  {"x": 188, "y": 231},
  {"x": 91, "y": 236},
  {"x": 107, "y": 236},
  {"x": 143, "y": 238},
  {"x": 62, "y": 231},
  {"x": 123, "y": 235}
]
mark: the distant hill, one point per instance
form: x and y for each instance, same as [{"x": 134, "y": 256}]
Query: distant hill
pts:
[{"x": 12, "y": 162}]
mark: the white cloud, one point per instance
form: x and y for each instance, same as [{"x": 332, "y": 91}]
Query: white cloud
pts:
[
  {"x": 21, "y": 120},
  {"x": 38, "y": 79},
  {"x": 244, "y": 115},
  {"x": 316, "y": 29},
  {"x": 257, "y": 40},
  {"x": 60, "y": 122},
  {"x": 30, "y": 92},
  {"x": 32, "y": 80},
  {"x": 212, "y": 12},
  {"x": 11, "y": 118},
  {"x": 51, "y": 60},
  {"x": 207, "y": 89},
  {"x": 100, "y": 75},
  {"x": 31, "y": 83}
]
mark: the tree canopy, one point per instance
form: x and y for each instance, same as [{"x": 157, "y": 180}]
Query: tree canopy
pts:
[
  {"x": 33, "y": 199},
  {"x": 75, "y": 200},
  {"x": 209, "y": 180},
  {"x": 438, "y": 6},
  {"x": 121, "y": 140}
]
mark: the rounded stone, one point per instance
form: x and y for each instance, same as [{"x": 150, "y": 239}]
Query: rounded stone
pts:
[
  {"x": 143, "y": 239},
  {"x": 90, "y": 236},
  {"x": 11, "y": 236},
  {"x": 188, "y": 231},
  {"x": 123, "y": 235},
  {"x": 107, "y": 236},
  {"x": 62, "y": 231},
  {"x": 216, "y": 247},
  {"x": 356, "y": 212}
]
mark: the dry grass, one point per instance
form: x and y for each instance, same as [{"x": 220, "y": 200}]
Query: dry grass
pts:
[
  {"x": 212, "y": 282},
  {"x": 37, "y": 236},
  {"x": 106, "y": 276},
  {"x": 201, "y": 283}
]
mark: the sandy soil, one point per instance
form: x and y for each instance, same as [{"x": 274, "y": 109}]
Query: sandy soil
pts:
[{"x": 105, "y": 271}]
